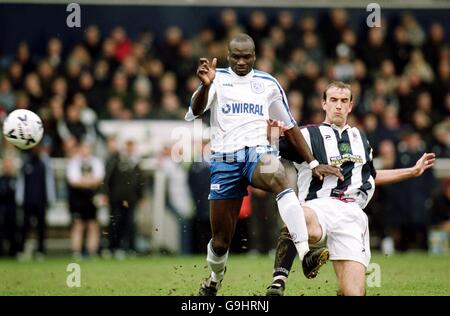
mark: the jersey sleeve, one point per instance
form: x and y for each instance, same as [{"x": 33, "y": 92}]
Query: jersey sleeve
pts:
[
  {"x": 369, "y": 154},
  {"x": 279, "y": 108},
  {"x": 211, "y": 97}
]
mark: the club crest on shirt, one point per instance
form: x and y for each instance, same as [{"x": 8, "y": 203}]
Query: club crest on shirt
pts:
[
  {"x": 257, "y": 86},
  {"x": 226, "y": 109}
]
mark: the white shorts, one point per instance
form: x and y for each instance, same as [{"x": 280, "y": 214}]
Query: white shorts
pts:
[{"x": 346, "y": 227}]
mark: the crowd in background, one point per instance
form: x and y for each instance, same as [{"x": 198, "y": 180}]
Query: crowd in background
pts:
[{"x": 399, "y": 72}]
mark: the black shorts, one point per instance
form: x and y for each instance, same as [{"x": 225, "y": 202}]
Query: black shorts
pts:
[{"x": 81, "y": 204}]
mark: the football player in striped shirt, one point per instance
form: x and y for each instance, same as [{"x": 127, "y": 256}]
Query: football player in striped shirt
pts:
[{"x": 333, "y": 208}]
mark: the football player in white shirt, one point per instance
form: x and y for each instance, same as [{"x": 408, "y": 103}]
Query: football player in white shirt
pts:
[
  {"x": 241, "y": 101},
  {"x": 332, "y": 209}
]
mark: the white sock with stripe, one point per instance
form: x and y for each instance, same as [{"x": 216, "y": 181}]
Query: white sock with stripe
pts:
[
  {"x": 216, "y": 263},
  {"x": 292, "y": 214}
]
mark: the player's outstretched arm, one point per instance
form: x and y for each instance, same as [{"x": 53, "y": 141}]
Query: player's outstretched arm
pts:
[
  {"x": 297, "y": 140},
  {"x": 206, "y": 72},
  {"x": 389, "y": 176}
]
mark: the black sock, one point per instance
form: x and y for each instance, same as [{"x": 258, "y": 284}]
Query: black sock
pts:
[{"x": 285, "y": 254}]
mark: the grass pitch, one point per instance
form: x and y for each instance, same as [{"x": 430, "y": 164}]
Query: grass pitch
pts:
[{"x": 401, "y": 274}]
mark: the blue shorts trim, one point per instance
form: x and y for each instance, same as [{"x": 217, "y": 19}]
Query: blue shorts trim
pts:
[{"x": 231, "y": 173}]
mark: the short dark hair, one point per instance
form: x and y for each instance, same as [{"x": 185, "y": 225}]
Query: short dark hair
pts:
[
  {"x": 339, "y": 85},
  {"x": 241, "y": 38}
]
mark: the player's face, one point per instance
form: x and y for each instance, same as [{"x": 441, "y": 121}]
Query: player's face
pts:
[
  {"x": 241, "y": 57},
  {"x": 337, "y": 106}
]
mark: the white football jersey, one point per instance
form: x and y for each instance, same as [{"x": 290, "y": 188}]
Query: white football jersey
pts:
[{"x": 240, "y": 107}]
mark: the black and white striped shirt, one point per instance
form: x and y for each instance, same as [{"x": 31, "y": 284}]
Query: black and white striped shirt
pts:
[{"x": 347, "y": 148}]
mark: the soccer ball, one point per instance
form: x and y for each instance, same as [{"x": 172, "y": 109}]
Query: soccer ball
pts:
[{"x": 23, "y": 129}]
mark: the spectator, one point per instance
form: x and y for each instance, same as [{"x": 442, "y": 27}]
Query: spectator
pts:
[
  {"x": 333, "y": 29},
  {"x": 8, "y": 215},
  {"x": 433, "y": 45},
  {"x": 228, "y": 26},
  {"x": 34, "y": 90},
  {"x": 201, "y": 42},
  {"x": 390, "y": 128},
  {"x": 35, "y": 192},
  {"x": 401, "y": 49},
  {"x": 53, "y": 124},
  {"x": 85, "y": 174},
  {"x": 45, "y": 72},
  {"x": 411, "y": 197},
  {"x": 54, "y": 53},
  {"x": 142, "y": 110},
  {"x": 93, "y": 93},
  {"x": 441, "y": 143},
  {"x": 414, "y": 32},
  {"x": 123, "y": 186},
  {"x": 178, "y": 199},
  {"x": 418, "y": 66},
  {"x": 7, "y": 96},
  {"x": 168, "y": 52},
  {"x": 441, "y": 208},
  {"x": 312, "y": 48},
  {"x": 72, "y": 125},
  {"x": 16, "y": 75},
  {"x": 257, "y": 27},
  {"x": 170, "y": 108},
  {"x": 24, "y": 58},
  {"x": 198, "y": 179},
  {"x": 441, "y": 85},
  {"x": 120, "y": 88},
  {"x": 92, "y": 41}
]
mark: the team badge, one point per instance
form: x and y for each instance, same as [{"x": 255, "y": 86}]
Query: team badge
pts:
[
  {"x": 226, "y": 109},
  {"x": 344, "y": 148},
  {"x": 257, "y": 86}
]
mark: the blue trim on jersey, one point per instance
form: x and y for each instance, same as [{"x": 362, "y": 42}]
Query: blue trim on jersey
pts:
[
  {"x": 223, "y": 70},
  {"x": 282, "y": 95},
  {"x": 263, "y": 73}
]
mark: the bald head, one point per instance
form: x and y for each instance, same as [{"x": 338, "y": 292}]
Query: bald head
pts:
[
  {"x": 241, "y": 54},
  {"x": 240, "y": 39}
]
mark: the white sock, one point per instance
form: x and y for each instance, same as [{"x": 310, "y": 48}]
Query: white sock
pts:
[
  {"x": 216, "y": 263},
  {"x": 280, "y": 277},
  {"x": 293, "y": 216}
]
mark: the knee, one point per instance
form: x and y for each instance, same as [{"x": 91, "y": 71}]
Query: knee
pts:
[
  {"x": 279, "y": 182},
  {"x": 315, "y": 231}
]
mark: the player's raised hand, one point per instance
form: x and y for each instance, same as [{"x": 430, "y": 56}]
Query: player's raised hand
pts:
[
  {"x": 326, "y": 170},
  {"x": 424, "y": 163},
  {"x": 206, "y": 71}
]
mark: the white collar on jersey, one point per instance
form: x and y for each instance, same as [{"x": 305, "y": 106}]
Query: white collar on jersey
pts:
[
  {"x": 339, "y": 129},
  {"x": 247, "y": 76}
]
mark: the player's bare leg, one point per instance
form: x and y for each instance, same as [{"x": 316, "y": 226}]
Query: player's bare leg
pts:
[
  {"x": 351, "y": 277},
  {"x": 224, "y": 215}
]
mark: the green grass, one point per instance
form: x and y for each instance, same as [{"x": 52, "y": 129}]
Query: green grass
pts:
[{"x": 401, "y": 274}]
